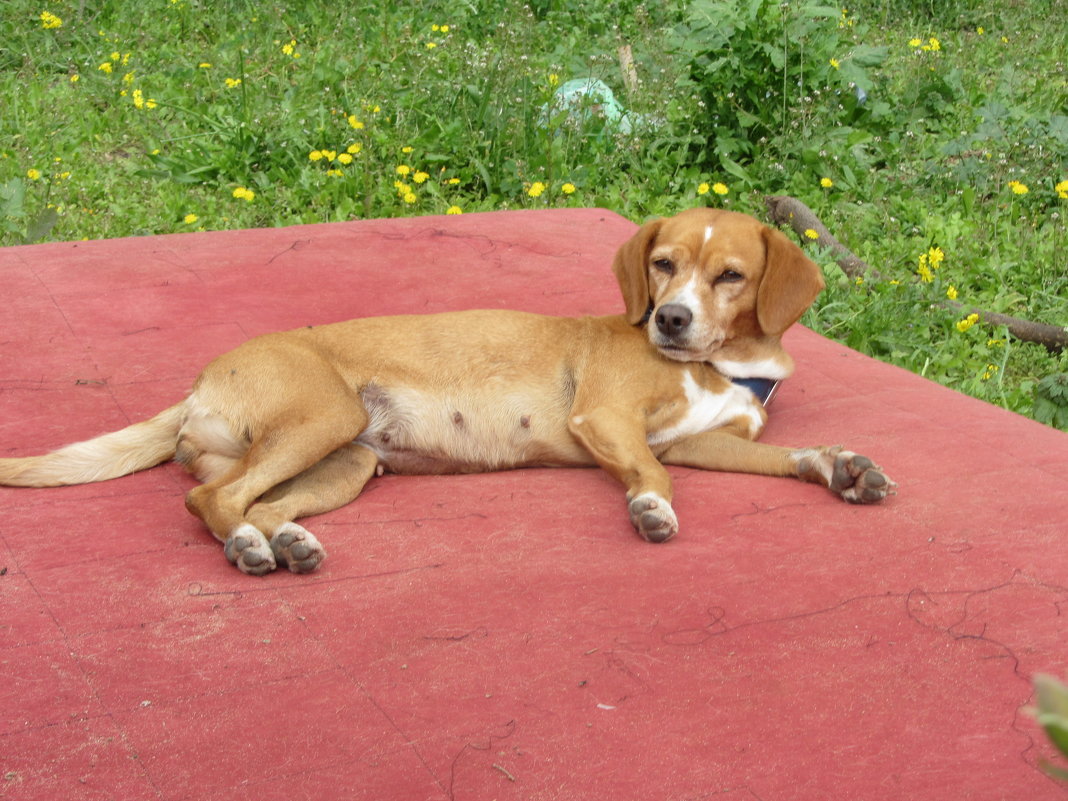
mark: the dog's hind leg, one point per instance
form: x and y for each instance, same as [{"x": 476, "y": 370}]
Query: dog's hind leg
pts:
[
  {"x": 287, "y": 434},
  {"x": 328, "y": 484}
]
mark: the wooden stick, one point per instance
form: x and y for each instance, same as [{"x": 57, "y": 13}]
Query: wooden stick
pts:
[{"x": 785, "y": 210}]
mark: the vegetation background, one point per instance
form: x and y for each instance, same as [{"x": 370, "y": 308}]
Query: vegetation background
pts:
[{"x": 931, "y": 136}]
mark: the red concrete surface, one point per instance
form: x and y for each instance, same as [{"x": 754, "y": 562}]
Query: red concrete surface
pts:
[{"x": 506, "y": 636}]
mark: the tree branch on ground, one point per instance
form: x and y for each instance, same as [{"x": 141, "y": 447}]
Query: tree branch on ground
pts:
[{"x": 785, "y": 210}]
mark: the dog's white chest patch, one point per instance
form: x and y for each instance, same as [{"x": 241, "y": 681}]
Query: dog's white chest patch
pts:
[{"x": 706, "y": 410}]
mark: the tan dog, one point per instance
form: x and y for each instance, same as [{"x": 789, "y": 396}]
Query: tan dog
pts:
[{"x": 294, "y": 424}]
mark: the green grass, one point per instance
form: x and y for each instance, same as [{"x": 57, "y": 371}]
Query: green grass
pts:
[{"x": 205, "y": 99}]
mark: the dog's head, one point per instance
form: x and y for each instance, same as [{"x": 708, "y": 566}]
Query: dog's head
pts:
[{"x": 722, "y": 287}]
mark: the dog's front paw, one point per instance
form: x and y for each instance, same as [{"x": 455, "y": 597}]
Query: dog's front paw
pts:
[
  {"x": 250, "y": 551},
  {"x": 653, "y": 517},
  {"x": 297, "y": 548},
  {"x": 856, "y": 478}
]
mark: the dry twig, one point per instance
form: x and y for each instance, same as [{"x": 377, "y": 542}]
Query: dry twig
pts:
[{"x": 785, "y": 210}]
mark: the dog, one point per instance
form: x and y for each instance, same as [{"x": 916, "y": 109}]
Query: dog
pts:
[{"x": 294, "y": 424}]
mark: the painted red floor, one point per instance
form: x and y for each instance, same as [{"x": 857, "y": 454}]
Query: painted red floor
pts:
[{"x": 506, "y": 636}]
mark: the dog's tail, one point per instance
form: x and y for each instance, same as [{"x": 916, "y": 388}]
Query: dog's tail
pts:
[{"x": 134, "y": 448}]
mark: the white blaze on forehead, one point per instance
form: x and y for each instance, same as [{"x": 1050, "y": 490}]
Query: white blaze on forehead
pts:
[{"x": 708, "y": 233}]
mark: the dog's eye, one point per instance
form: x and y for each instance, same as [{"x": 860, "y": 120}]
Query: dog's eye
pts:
[
  {"x": 729, "y": 277},
  {"x": 664, "y": 266}
]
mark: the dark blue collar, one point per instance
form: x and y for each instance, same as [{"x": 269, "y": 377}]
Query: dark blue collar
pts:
[{"x": 763, "y": 388}]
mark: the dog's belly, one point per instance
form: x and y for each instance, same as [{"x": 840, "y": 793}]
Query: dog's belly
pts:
[{"x": 418, "y": 432}]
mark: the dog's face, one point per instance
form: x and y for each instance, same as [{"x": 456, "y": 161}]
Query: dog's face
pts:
[{"x": 722, "y": 287}]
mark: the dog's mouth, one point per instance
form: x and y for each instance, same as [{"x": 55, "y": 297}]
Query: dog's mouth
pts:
[{"x": 685, "y": 352}]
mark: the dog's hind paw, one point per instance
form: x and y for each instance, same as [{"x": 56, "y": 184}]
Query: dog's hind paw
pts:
[
  {"x": 653, "y": 517},
  {"x": 250, "y": 551},
  {"x": 856, "y": 478},
  {"x": 297, "y": 548}
]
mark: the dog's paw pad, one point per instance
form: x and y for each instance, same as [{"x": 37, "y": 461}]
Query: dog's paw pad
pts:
[
  {"x": 653, "y": 517},
  {"x": 250, "y": 551},
  {"x": 297, "y": 548},
  {"x": 858, "y": 479}
]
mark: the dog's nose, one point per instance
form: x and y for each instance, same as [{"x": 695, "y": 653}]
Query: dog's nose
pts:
[{"x": 673, "y": 319}]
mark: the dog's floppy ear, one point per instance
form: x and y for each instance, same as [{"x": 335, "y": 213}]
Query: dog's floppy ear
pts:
[
  {"x": 790, "y": 283},
  {"x": 632, "y": 270}
]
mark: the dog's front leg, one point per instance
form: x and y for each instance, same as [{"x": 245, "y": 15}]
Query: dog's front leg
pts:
[
  {"x": 854, "y": 477},
  {"x": 617, "y": 442}
]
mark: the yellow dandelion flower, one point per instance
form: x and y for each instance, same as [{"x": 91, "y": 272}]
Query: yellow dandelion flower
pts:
[
  {"x": 105, "y": 67},
  {"x": 315, "y": 155},
  {"x": 329, "y": 155},
  {"x": 991, "y": 369},
  {"x": 403, "y": 169},
  {"x": 116, "y": 56},
  {"x": 454, "y": 210},
  {"x": 345, "y": 158},
  {"x": 241, "y": 193},
  {"x": 420, "y": 177},
  {"x": 826, "y": 183},
  {"x": 444, "y": 29},
  {"x": 923, "y": 271},
  {"x": 453, "y": 181},
  {"x": 915, "y": 42},
  {"x": 353, "y": 149},
  {"x": 233, "y": 83},
  {"x": 967, "y": 322},
  {"x": 568, "y": 189},
  {"x": 33, "y": 174},
  {"x": 720, "y": 189},
  {"x": 554, "y": 80},
  {"x": 536, "y": 189},
  {"x": 951, "y": 292},
  {"x": 401, "y": 187},
  {"x": 980, "y": 30},
  {"x": 811, "y": 234},
  {"x": 189, "y": 219},
  {"x": 835, "y": 63},
  {"x": 204, "y": 65},
  {"x": 138, "y": 98},
  {"x": 406, "y": 149},
  {"x": 1018, "y": 188},
  {"x": 75, "y": 78},
  {"x": 1062, "y": 190},
  {"x": 935, "y": 257},
  {"x": 334, "y": 173},
  {"x": 355, "y": 123},
  {"x": 702, "y": 189},
  {"x": 50, "y": 20},
  {"x": 410, "y": 198}
]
